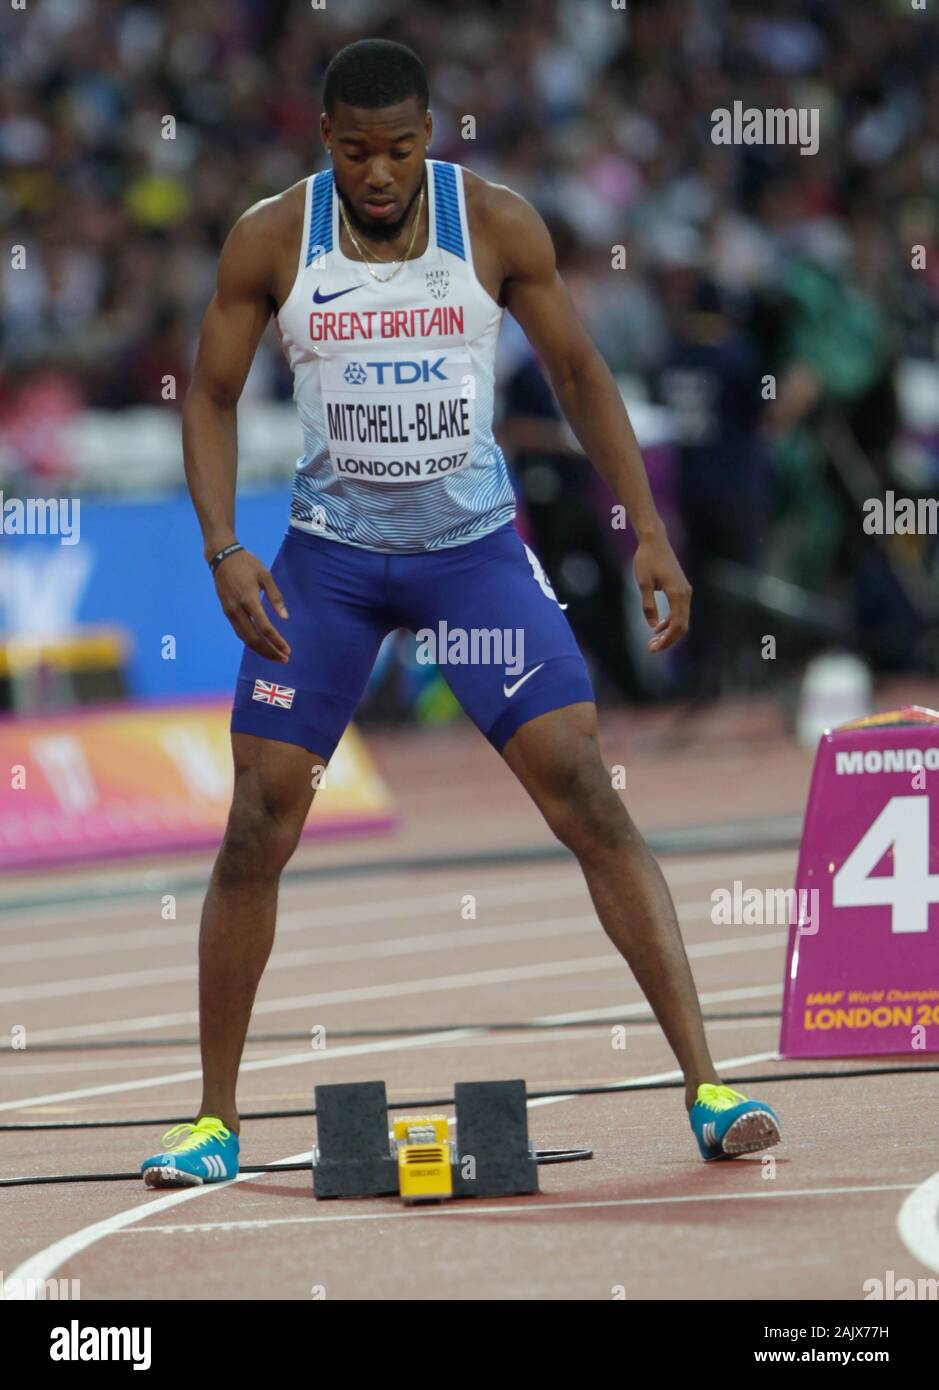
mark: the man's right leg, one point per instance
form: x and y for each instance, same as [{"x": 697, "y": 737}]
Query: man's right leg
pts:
[
  {"x": 335, "y": 595},
  {"x": 286, "y": 720},
  {"x": 273, "y": 792}
]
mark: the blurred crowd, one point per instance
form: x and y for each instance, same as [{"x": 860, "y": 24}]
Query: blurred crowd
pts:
[{"x": 738, "y": 262}]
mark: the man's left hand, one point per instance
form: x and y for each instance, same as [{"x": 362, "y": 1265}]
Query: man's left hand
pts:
[{"x": 656, "y": 567}]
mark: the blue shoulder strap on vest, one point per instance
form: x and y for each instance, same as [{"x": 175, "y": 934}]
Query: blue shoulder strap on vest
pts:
[
  {"x": 447, "y": 209},
  {"x": 320, "y": 239}
]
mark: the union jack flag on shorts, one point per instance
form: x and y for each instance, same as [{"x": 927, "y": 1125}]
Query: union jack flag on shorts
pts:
[{"x": 269, "y": 693}]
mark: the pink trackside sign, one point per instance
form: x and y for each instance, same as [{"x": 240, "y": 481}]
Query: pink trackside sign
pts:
[{"x": 862, "y": 971}]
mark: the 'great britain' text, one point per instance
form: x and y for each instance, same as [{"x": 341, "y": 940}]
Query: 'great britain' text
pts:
[{"x": 445, "y": 322}]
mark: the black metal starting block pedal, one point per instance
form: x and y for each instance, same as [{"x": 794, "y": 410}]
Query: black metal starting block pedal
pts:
[{"x": 352, "y": 1157}]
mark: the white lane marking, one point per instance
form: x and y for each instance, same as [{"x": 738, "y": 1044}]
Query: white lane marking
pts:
[
  {"x": 306, "y": 919},
  {"x": 73, "y": 947},
  {"x": 381, "y": 906},
  {"x": 454, "y": 939},
  {"x": 673, "y": 1075},
  {"x": 41, "y": 1266},
  {"x": 34, "y": 919},
  {"x": 544, "y": 970},
  {"x": 375, "y": 908},
  {"x": 615, "y": 1011},
  {"x": 107, "y": 1063},
  {"x": 290, "y": 1059},
  {"x": 509, "y": 1037},
  {"x": 517, "y": 1208},
  {"x": 729, "y": 946},
  {"x": 726, "y": 946},
  {"x": 918, "y": 1223},
  {"x": 34, "y": 1271}
]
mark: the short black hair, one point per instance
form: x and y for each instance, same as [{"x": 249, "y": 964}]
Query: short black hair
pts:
[{"x": 372, "y": 73}]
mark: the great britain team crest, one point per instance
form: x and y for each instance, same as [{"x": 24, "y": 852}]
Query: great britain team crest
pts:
[{"x": 438, "y": 283}]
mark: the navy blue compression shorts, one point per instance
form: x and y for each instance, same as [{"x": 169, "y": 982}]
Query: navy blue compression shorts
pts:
[{"x": 511, "y": 654}]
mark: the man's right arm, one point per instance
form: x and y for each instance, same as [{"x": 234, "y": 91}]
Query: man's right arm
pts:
[{"x": 231, "y": 330}]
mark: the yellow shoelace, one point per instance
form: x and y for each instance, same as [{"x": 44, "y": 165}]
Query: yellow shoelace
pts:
[
  {"x": 718, "y": 1097},
  {"x": 183, "y": 1137}
]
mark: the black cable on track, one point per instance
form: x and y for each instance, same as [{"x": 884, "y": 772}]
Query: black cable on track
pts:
[
  {"x": 542, "y": 1156},
  {"x": 611, "y": 1088}
]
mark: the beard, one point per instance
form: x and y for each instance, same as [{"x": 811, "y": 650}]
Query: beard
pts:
[{"x": 379, "y": 231}]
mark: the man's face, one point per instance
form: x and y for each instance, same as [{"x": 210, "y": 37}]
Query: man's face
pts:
[{"x": 378, "y": 163}]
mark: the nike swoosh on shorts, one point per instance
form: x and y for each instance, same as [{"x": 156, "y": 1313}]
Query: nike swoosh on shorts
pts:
[{"x": 508, "y": 690}]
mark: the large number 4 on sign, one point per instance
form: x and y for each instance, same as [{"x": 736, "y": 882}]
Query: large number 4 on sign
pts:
[{"x": 903, "y": 824}]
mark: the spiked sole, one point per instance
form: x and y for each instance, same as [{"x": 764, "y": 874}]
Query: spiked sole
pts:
[
  {"x": 170, "y": 1177},
  {"x": 751, "y": 1132}
]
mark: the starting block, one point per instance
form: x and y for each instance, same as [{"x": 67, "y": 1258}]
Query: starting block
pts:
[
  {"x": 490, "y": 1154},
  {"x": 862, "y": 972}
]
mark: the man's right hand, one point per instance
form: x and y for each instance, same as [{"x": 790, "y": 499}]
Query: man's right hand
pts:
[{"x": 239, "y": 581}]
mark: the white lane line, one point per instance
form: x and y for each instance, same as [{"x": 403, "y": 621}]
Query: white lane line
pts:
[
  {"x": 488, "y": 1040},
  {"x": 306, "y": 919},
  {"x": 290, "y": 1059},
  {"x": 484, "y": 1040},
  {"x": 376, "y": 907},
  {"x": 615, "y": 1012},
  {"x": 918, "y": 1223},
  {"x": 39, "y": 1267},
  {"x": 453, "y": 939},
  {"x": 13, "y": 920},
  {"x": 108, "y": 1063},
  {"x": 725, "y": 946},
  {"x": 517, "y": 1208},
  {"x": 360, "y": 994},
  {"x": 112, "y": 944},
  {"x": 673, "y": 1075},
  {"x": 26, "y": 1281},
  {"x": 381, "y": 906},
  {"x": 315, "y": 919}
]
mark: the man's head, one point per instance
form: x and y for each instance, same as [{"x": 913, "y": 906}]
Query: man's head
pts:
[{"x": 376, "y": 127}]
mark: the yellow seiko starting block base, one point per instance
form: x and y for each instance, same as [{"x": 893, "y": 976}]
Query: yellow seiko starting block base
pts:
[{"x": 424, "y": 1152}]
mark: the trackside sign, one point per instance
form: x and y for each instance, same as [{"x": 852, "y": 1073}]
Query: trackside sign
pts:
[{"x": 866, "y": 979}]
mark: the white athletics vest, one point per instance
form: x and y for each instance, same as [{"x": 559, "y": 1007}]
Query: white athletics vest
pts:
[{"x": 394, "y": 385}]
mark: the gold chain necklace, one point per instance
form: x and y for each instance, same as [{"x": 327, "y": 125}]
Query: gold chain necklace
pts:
[{"x": 363, "y": 251}]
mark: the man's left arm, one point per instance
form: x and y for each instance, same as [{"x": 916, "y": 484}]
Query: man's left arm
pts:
[{"x": 537, "y": 297}]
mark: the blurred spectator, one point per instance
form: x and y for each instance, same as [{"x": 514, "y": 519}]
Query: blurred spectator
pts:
[
  {"x": 601, "y": 115},
  {"x": 33, "y": 416},
  {"x": 554, "y": 482},
  {"x": 711, "y": 379},
  {"x": 133, "y": 133}
]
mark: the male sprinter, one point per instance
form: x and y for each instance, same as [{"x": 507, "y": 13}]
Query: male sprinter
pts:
[{"x": 388, "y": 274}]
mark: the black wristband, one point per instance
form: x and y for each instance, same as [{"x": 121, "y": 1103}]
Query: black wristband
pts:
[{"x": 216, "y": 560}]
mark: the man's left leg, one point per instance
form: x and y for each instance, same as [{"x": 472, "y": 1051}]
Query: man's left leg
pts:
[
  {"x": 523, "y": 682},
  {"x": 557, "y": 759}
]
